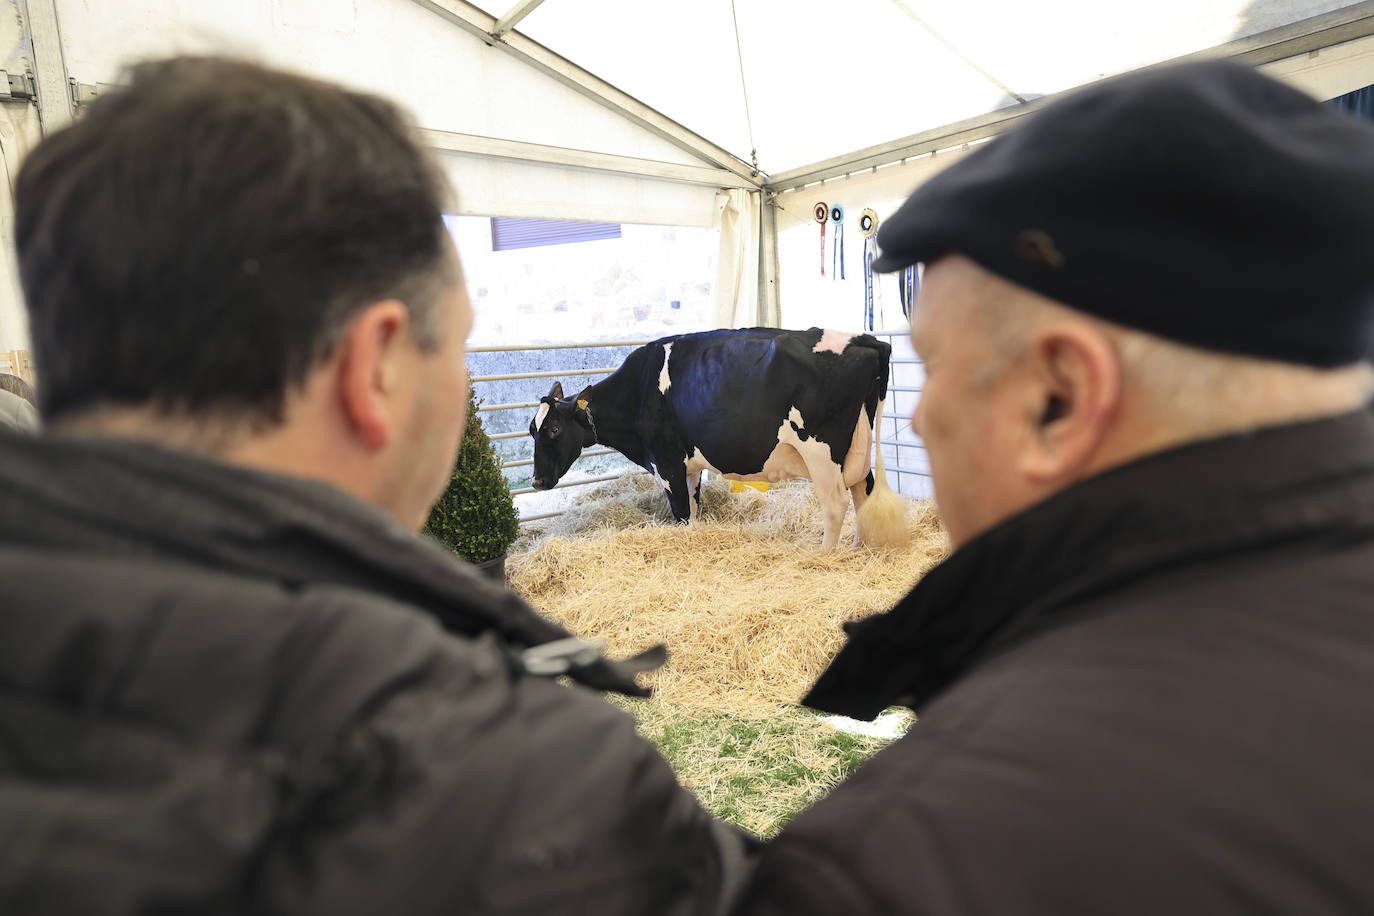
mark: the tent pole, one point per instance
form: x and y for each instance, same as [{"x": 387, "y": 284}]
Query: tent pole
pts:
[{"x": 769, "y": 310}]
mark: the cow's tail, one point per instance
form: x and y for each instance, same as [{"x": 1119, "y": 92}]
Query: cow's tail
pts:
[{"x": 882, "y": 519}]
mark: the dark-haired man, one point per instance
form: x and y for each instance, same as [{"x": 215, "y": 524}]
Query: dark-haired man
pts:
[
  {"x": 225, "y": 681},
  {"x": 1145, "y": 675}
]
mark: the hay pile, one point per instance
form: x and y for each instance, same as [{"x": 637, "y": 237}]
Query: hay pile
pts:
[{"x": 748, "y": 605}]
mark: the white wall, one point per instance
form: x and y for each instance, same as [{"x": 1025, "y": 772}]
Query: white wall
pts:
[
  {"x": 809, "y": 299},
  {"x": 487, "y": 187},
  {"x": 447, "y": 78},
  {"x": 1329, "y": 72},
  {"x": 805, "y": 296},
  {"x": 452, "y": 81},
  {"x": 19, "y": 132}
]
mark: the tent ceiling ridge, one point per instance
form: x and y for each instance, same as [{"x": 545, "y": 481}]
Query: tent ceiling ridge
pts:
[
  {"x": 512, "y": 16},
  {"x": 482, "y": 25},
  {"x": 541, "y": 154}
]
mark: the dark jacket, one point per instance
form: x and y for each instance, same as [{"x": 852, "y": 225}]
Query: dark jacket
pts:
[
  {"x": 227, "y": 691},
  {"x": 1152, "y": 693}
]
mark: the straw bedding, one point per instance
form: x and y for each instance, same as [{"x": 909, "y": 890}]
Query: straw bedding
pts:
[{"x": 748, "y": 605}]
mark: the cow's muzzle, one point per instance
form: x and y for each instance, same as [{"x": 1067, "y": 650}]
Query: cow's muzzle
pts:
[{"x": 540, "y": 483}]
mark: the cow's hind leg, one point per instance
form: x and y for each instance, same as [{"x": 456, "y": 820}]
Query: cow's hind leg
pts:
[
  {"x": 858, "y": 493},
  {"x": 828, "y": 481}
]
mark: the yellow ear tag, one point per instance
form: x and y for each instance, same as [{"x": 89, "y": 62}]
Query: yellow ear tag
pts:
[{"x": 581, "y": 405}]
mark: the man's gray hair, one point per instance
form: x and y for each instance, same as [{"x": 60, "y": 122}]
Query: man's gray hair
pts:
[{"x": 1202, "y": 391}]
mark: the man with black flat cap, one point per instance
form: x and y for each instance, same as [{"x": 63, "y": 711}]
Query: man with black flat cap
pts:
[{"x": 1145, "y": 675}]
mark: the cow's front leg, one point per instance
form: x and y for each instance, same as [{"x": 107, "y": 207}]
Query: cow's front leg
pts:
[
  {"x": 694, "y": 495},
  {"x": 674, "y": 481}
]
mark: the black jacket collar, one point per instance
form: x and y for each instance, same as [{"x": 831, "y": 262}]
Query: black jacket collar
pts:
[
  {"x": 123, "y": 497},
  {"x": 1187, "y": 505}
]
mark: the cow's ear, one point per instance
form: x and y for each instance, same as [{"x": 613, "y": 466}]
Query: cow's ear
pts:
[
  {"x": 556, "y": 391},
  {"x": 580, "y": 414}
]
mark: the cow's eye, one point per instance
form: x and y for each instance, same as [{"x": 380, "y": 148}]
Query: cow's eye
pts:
[{"x": 554, "y": 430}]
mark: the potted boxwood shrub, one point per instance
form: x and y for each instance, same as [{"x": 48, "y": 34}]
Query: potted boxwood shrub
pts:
[{"x": 475, "y": 517}]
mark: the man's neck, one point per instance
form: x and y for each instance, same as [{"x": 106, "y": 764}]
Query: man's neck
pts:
[
  {"x": 1151, "y": 427},
  {"x": 293, "y": 449},
  {"x": 212, "y": 438}
]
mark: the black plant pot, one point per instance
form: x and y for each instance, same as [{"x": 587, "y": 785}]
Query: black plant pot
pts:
[{"x": 495, "y": 568}]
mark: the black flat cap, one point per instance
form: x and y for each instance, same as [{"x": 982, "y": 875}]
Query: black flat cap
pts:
[{"x": 1202, "y": 202}]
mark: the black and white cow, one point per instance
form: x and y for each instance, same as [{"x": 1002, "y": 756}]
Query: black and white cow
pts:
[{"x": 752, "y": 404}]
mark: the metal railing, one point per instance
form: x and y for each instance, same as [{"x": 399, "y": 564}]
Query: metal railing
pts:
[
  {"x": 910, "y": 389},
  {"x": 527, "y": 405},
  {"x": 554, "y": 374},
  {"x": 586, "y": 345}
]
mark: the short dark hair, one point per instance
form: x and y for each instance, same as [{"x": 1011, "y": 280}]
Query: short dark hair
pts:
[
  {"x": 16, "y": 385},
  {"x": 199, "y": 239}
]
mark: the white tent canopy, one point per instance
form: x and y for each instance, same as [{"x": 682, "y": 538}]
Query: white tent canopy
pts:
[
  {"x": 621, "y": 110},
  {"x": 826, "y": 78}
]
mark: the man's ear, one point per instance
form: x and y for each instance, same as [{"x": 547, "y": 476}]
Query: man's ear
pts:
[
  {"x": 1075, "y": 391},
  {"x": 368, "y": 370}
]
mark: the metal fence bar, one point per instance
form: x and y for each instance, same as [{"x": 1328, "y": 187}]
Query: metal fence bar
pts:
[
  {"x": 506, "y": 378},
  {"x": 907, "y": 443},
  {"x": 542, "y": 515},
  {"x": 907, "y": 471},
  {"x": 519, "y": 375},
  {"x": 528, "y": 461},
  {"x": 522, "y": 433},
  {"x": 561, "y": 346},
  {"x": 508, "y": 406},
  {"x": 574, "y": 483}
]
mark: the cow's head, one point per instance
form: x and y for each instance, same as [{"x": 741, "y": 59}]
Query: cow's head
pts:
[{"x": 561, "y": 429}]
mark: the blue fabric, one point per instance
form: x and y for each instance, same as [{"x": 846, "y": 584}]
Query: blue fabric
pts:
[
  {"x": 509, "y": 232},
  {"x": 1359, "y": 103}
]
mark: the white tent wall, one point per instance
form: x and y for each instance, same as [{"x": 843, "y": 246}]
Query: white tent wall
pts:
[
  {"x": 487, "y": 187},
  {"x": 19, "y": 132},
  {"x": 456, "y": 83},
  {"x": 1329, "y": 72},
  {"x": 735, "y": 298},
  {"x": 448, "y": 79},
  {"x": 808, "y": 299}
]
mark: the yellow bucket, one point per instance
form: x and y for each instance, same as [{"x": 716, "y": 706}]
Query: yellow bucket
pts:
[{"x": 737, "y": 486}]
